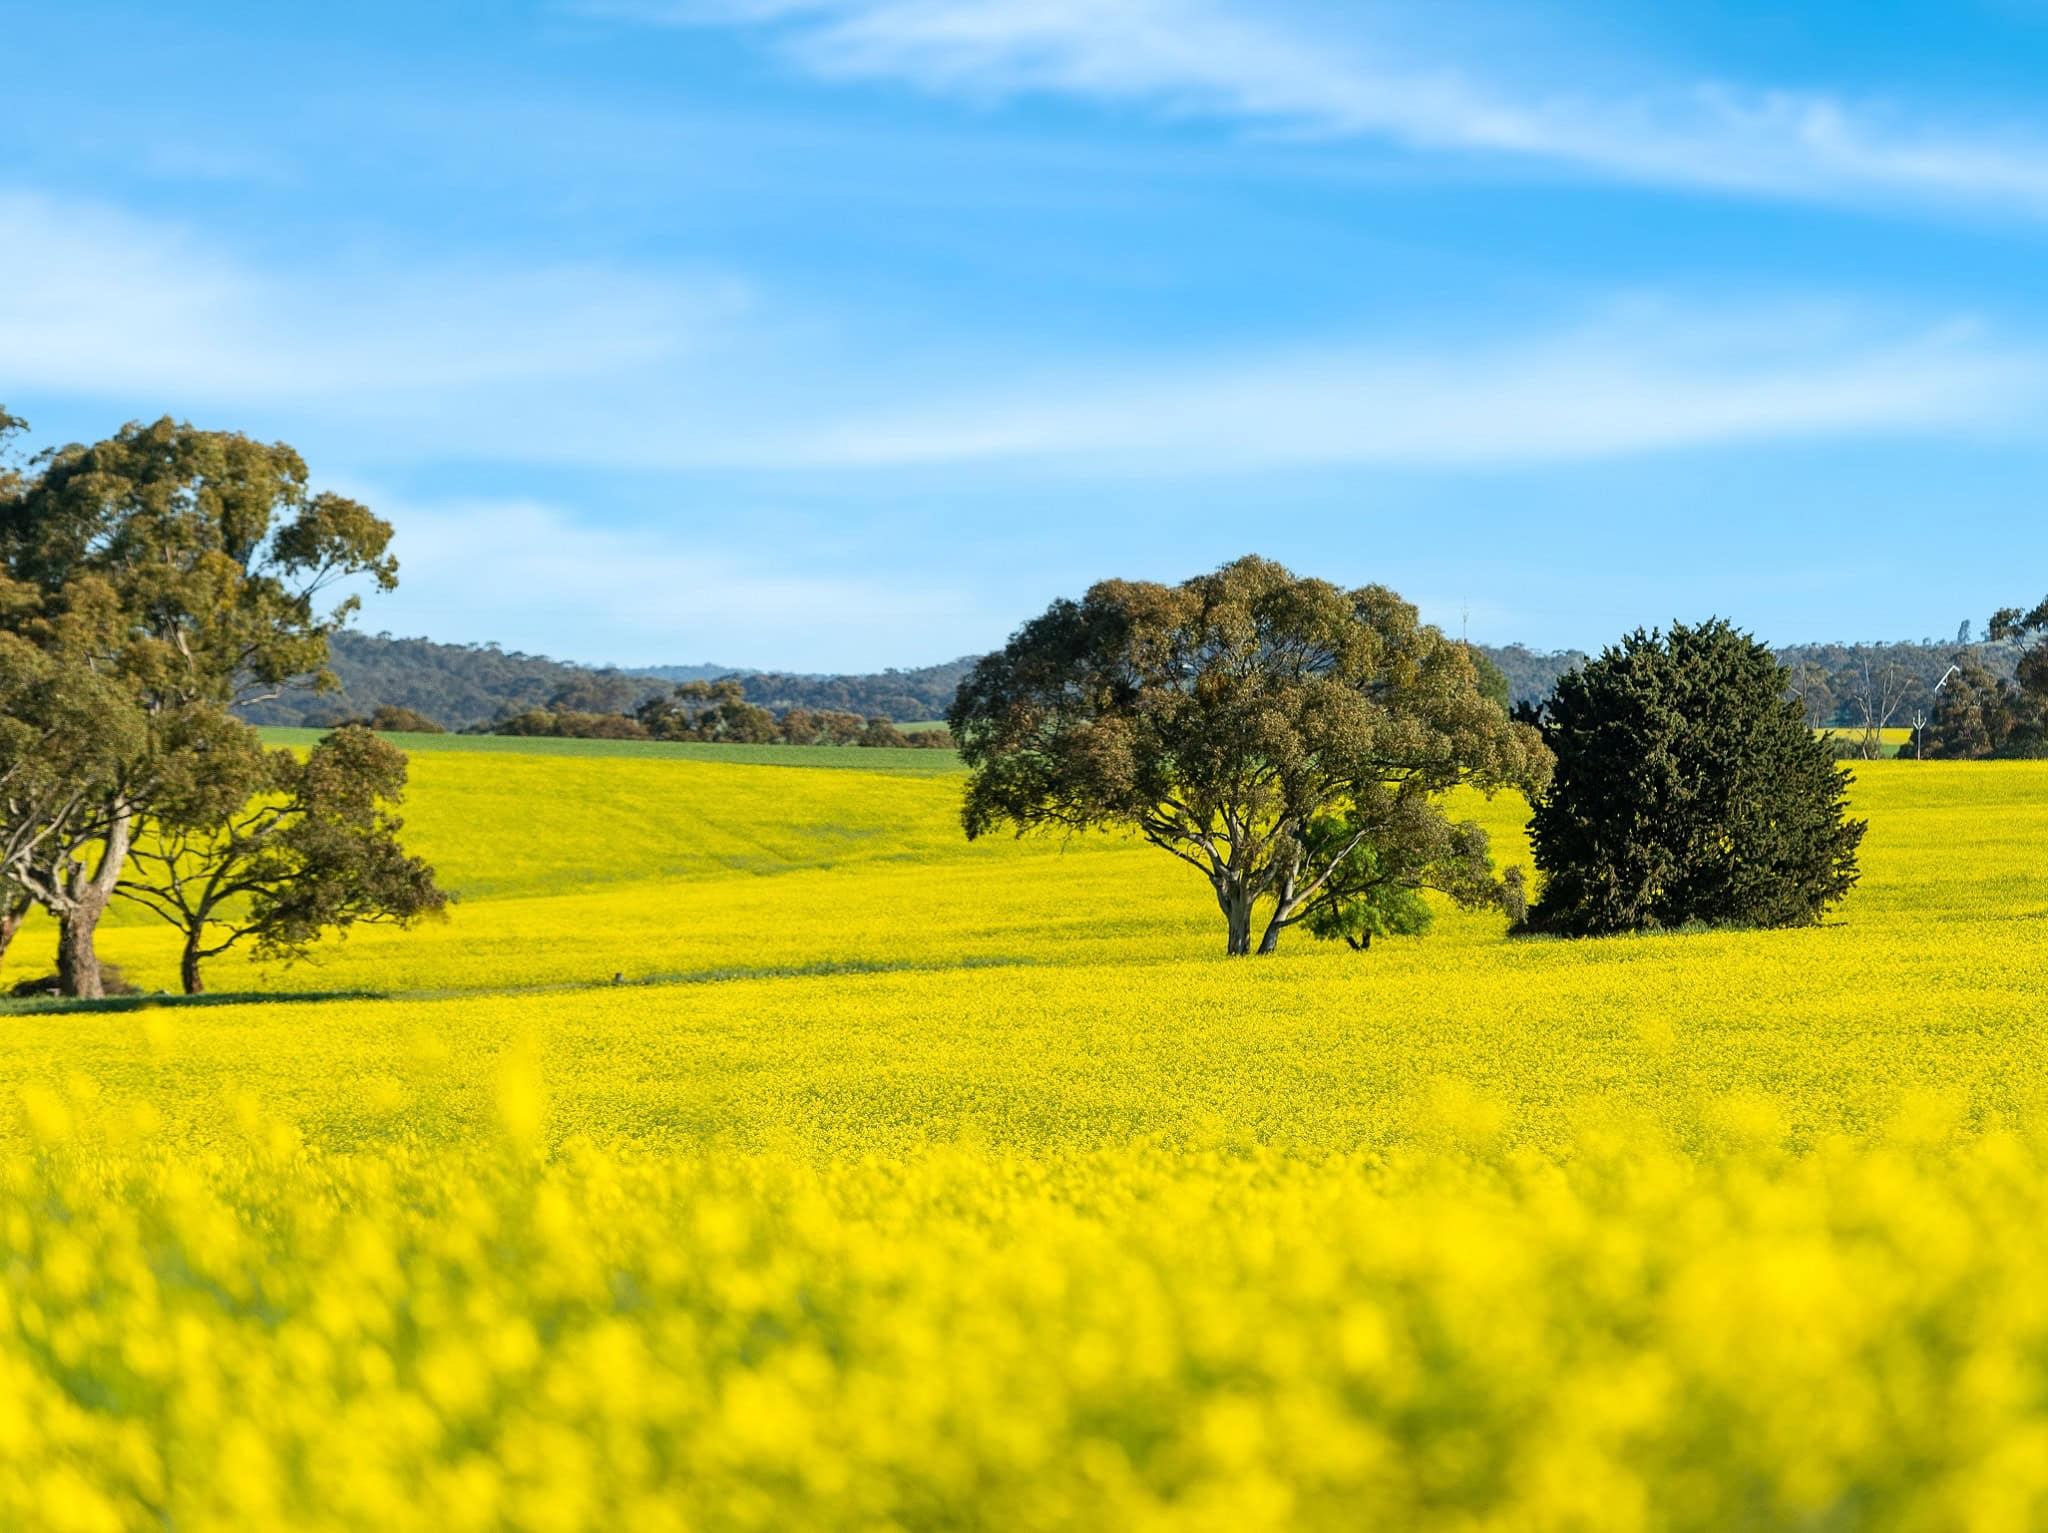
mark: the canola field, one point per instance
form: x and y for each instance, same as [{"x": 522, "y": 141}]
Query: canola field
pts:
[{"x": 908, "y": 1184}]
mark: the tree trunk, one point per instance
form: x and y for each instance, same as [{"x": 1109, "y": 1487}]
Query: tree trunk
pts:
[
  {"x": 78, "y": 961},
  {"x": 188, "y": 967},
  {"x": 85, "y": 900},
  {"x": 1285, "y": 904},
  {"x": 12, "y": 913},
  {"x": 1237, "y": 910}
]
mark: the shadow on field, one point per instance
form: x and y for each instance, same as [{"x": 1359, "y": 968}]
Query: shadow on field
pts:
[{"x": 39, "y": 1005}]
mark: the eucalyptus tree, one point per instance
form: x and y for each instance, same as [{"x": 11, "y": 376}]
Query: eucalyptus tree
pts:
[
  {"x": 11, "y": 426},
  {"x": 267, "y": 848},
  {"x": 65, "y": 733},
  {"x": 1977, "y": 714},
  {"x": 1378, "y": 891},
  {"x": 2028, "y": 629},
  {"x": 193, "y": 571},
  {"x": 1286, "y": 738}
]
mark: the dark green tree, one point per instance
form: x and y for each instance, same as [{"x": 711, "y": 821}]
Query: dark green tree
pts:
[
  {"x": 835, "y": 727},
  {"x": 2030, "y": 672},
  {"x": 391, "y": 718},
  {"x": 1261, "y": 727},
  {"x": 597, "y": 692},
  {"x": 2009, "y": 623},
  {"x": 1689, "y": 788},
  {"x": 1978, "y": 715},
  {"x": 11, "y": 426},
  {"x": 547, "y": 724},
  {"x": 190, "y": 567},
  {"x": 313, "y": 849},
  {"x": 710, "y": 710}
]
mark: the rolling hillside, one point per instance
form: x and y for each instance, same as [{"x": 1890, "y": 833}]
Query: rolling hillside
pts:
[
  {"x": 911, "y": 1182},
  {"x": 574, "y": 861}
]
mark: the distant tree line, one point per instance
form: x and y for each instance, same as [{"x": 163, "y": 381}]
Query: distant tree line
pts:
[
  {"x": 398, "y": 721},
  {"x": 1860, "y": 690},
  {"x": 716, "y": 712},
  {"x": 455, "y": 685},
  {"x": 925, "y": 692},
  {"x": 1963, "y": 700},
  {"x": 1978, "y": 714},
  {"x": 1530, "y": 673},
  {"x": 1850, "y": 688},
  {"x": 464, "y": 686}
]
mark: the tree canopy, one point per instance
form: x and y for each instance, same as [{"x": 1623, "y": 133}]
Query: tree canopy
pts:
[
  {"x": 1689, "y": 788},
  {"x": 212, "y": 548},
  {"x": 149, "y": 584},
  {"x": 279, "y": 851},
  {"x": 1281, "y": 735},
  {"x": 1980, "y": 715}
]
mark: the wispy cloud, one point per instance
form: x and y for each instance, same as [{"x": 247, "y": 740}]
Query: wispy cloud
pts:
[
  {"x": 588, "y": 367},
  {"x": 1379, "y": 72},
  {"x": 97, "y": 301},
  {"x": 1638, "y": 380},
  {"x": 526, "y": 572}
]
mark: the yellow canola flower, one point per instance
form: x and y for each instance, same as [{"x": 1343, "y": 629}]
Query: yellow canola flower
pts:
[
  {"x": 968, "y": 1187},
  {"x": 521, "y": 1095},
  {"x": 1423, "y": 1344}
]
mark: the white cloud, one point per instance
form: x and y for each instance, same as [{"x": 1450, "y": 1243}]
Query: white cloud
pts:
[
  {"x": 535, "y": 576},
  {"x": 1640, "y": 380},
  {"x": 1376, "y": 72},
  {"x": 96, "y": 301},
  {"x": 617, "y": 371}
]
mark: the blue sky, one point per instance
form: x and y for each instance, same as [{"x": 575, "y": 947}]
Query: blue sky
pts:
[{"x": 834, "y": 334}]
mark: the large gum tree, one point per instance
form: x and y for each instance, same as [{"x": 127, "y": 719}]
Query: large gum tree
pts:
[
  {"x": 178, "y": 572},
  {"x": 1286, "y": 738}
]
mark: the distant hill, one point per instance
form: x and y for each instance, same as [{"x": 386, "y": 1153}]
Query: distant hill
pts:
[
  {"x": 1531, "y": 673},
  {"x": 923, "y": 693},
  {"x": 685, "y": 672},
  {"x": 456, "y": 685},
  {"x": 1836, "y": 681},
  {"x": 464, "y": 685}
]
